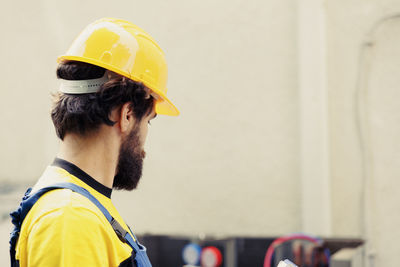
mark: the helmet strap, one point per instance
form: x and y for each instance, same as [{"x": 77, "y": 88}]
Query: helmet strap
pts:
[{"x": 83, "y": 86}]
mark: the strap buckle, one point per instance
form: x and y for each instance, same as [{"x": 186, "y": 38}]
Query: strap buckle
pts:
[{"x": 121, "y": 232}]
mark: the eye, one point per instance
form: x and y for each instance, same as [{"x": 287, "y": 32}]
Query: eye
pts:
[{"x": 148, "y": 122}]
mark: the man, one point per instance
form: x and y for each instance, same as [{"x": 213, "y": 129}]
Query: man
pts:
[{"x": 113, "y": 83}]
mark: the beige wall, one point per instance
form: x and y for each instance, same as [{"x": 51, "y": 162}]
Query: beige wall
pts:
[
  {"x": 233, "y": 162},
  {"x": 382, "y": 129},
  {"x": 363, "y": 77}
]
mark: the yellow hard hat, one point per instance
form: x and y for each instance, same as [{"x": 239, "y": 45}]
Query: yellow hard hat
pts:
[{"x": 124, "y": 48}]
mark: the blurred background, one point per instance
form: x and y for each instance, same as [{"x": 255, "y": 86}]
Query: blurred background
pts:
[{"x": 289, "y": 116}]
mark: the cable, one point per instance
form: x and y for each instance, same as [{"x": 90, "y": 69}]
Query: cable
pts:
[{"x": 279, "y": 241}]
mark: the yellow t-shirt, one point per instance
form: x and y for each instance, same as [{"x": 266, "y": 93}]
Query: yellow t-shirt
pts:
[{"x": 65, "y": 228}]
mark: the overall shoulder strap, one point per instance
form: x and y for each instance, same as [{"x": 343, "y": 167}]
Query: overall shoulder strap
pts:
[{"x": 29, "y": 200}]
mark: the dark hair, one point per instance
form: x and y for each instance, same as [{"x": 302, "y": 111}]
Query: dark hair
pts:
[{"x": 83, "y": 113}]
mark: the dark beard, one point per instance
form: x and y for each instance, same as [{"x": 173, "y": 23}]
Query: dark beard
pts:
[{"x": 130, "y": 163}]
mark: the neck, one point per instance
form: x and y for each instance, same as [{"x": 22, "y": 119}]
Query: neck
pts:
[{"x": 96, "y": 154}]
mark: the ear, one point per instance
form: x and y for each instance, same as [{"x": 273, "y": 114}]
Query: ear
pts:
[{"x": 126, "y": 118}]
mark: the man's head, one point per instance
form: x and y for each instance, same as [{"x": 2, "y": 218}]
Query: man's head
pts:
[
  {"x": 84, "y": 114},
  {"x": 114, "y": 75}
]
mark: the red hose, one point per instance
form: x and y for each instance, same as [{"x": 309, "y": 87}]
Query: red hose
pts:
[{"x": 278, "y": 241}]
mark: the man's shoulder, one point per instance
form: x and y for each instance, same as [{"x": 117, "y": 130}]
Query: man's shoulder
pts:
[
  {"x": 62, "y": 202},
  {"x": 64, "y": 205}
]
